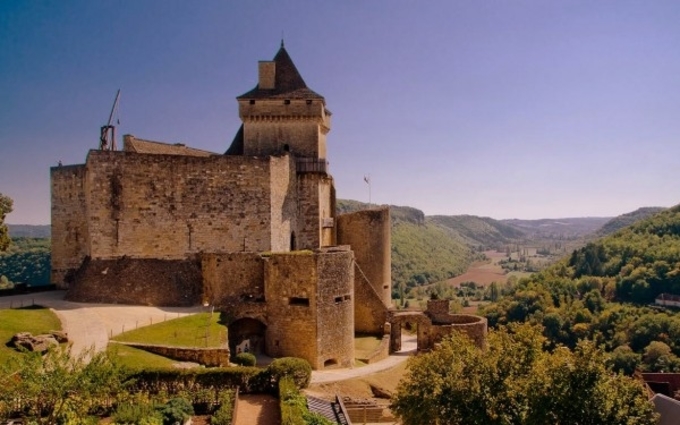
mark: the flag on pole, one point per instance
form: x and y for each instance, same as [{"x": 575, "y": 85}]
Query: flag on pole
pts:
[{"x": 367, "y": 179}]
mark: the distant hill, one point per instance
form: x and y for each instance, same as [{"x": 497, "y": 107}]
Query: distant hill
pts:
[
  {"x": 29, "y": 230},
  {"x": 559, "y": 228},
  {"x": 482, "y": 232},
  {"x": 625, "y": 220}
]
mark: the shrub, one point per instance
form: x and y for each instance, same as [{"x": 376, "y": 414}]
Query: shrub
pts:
[
  {"x": 176, "y": 411},
  {"x": 225, "y": 412},
  {"x": 293, "y": 404},
  {"x": 299, "y": 370},
  {"x": 135, "y": 413},
  {"x": 245, "y": 359}
]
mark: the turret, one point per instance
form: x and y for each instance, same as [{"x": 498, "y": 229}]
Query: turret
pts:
[{"x": 281, "y": 114}]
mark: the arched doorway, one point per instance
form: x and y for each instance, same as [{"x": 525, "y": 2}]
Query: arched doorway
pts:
[
  {"x": 414, "y": 321},
  {"x": 247, "y": 335}
]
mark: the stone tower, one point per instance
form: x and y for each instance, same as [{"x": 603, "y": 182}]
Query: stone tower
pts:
[{"x": 282, "y": 116}]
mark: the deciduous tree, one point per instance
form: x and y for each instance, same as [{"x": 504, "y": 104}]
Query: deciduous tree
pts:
[
  {"x": 515, "y": 382},
  {"x": 5, "y": 208}
]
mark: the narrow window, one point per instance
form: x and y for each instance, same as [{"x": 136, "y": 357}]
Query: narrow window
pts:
[
  {"x": 298, "y": 301},
  {"x": 252, "y": 101},
  {"x": 286, "y": 102},
  {"x": 338, "y": 299},
  {"x": 309, "y": 101}
]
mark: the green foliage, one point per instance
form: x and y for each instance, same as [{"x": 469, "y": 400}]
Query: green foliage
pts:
[
  {"x": 5, "y": 208},
  {"x": 176, "y": 411},
  {"x": 225, "y": 412},
  {"x": 299, "y": 370},
  {"x": 579, "y": 298},
  {"x": 27, "y": 261},
  {"x": 514, "y": 381},
  {"x": 245, "y": 359},
  {"x": 58, "y": 386},
  {"x": 427, "y": 253},
  {"x": 293, "y": 405},
  {"x": 173, "y": 381},
  {"x": 137, "y": 412}
]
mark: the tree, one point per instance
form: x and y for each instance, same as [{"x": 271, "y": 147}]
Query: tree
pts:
[
  {"x": 5, "y": 208},
  {"x": 59, "y": 387},
  {"x": 513, "y": 381}
]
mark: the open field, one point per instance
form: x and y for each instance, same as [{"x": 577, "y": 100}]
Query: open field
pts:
[{"x": 483, "y": 272}]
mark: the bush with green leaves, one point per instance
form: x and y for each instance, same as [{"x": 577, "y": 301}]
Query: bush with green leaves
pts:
[
  {"x": 245, "y": 359},
  {"x": 225, "y": 412},
  {"x": 299, "y": 370},
  {"x": 137, "y": 412},
  {"x": 176, "y": 411}
]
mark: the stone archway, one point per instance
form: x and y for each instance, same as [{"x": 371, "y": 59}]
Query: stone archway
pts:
[
  {"x": 399, "y": 319},
  {"x": 247, "y": 335}
]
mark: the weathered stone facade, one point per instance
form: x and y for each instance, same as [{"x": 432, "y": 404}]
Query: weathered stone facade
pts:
[{"x": 252, "y": 232}]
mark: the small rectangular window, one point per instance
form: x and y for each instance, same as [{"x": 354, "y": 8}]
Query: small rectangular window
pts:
[
  {"x": 252, "y": 101},
  {"x": 338, "y": 299},
  {"x": 309, "y": 101},
  {"x": 347, "y": 297},
  {"x": 287, "y": 101},
  {"x": 298, "y": 301}
]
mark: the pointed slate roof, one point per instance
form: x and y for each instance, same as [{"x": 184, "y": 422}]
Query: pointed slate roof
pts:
[{"x": 288, "y": 82}]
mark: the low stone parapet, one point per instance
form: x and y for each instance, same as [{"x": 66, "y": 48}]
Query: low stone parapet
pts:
[{"x": 210, "y": 357}]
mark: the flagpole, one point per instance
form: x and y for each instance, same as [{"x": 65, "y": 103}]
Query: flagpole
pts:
[{"x": 367, "y": 179}]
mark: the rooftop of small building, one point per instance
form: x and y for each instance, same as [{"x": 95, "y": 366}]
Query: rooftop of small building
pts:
[{"x": 133, "y": 144}]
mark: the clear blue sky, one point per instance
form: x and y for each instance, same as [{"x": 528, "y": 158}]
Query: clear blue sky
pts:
[{"x": 507, "y": 109}]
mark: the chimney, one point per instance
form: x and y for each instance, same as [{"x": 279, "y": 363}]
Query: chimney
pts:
[{"x": 267, "y": 75}]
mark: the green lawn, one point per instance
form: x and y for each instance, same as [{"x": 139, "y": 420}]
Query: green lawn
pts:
[
  {"x": 138, "y": 359},
  {"x": 188, "y": 331},
  {"x": 35, "y": 320}
]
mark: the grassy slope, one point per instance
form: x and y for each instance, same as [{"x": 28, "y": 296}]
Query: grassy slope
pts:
[
  {"x": 189, "y": 331},
  {"x": 33, "y": 320}
]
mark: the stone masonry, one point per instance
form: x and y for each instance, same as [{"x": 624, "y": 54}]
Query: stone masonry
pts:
[{"x": 252, "y": 232}]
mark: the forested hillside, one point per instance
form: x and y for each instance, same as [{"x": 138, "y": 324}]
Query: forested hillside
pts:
[
  {"x": 601, "y": 292},
  {"x": 26, "y": 261},
  {"x": 625, "y": 220}
]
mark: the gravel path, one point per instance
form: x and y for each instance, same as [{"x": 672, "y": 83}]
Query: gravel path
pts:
[
  {"x": 258, "y": 409},
  {"x": 91, "y": 325}
]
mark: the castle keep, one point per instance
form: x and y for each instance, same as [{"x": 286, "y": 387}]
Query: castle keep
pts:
[{"x": 252, "y": 232}]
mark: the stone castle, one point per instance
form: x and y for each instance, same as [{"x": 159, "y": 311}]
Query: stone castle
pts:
[{"x": 253, "y": 232}]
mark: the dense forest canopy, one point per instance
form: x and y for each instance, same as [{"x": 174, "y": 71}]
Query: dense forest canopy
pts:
[
  {"x": 26, "y": 261},
  {"x": 603, "y": 291}
]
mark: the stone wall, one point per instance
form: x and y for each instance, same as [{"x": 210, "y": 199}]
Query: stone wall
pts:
[
  {"x": 70, "y": 237},
  {"x": 210, "y": 357},
  {"x": 368, "y": 232},
  {"x": 444, "y": 324},
  {"x": 233, "y": 282},
  {"x": 335, "y": 307},
  {"x": 138, "y": 281},
  {"x": 192, "y": 204},
  {"x": 290, "y": 291}
]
